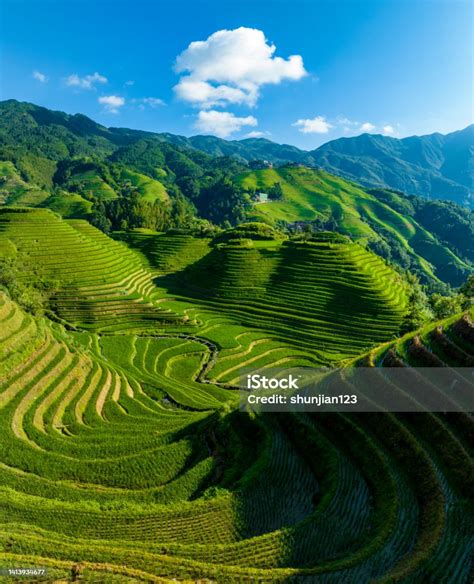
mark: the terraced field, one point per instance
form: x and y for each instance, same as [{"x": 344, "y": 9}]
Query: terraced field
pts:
[
  {"x": 124, "y": 457},
  {"x": 310, "y": 194},
  {"x": 328, "y": 300},
  {"x": 101, "y": 285},
  {"x": 115, "y": 457}
]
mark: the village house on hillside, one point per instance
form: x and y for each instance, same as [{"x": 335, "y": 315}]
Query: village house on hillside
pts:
[
  {"x": 260, "y": 164},
  {"x": 261, "y": 197}
]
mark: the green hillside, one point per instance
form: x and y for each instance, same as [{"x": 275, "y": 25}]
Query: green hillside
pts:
[
  {"x": 316, "y": 196},
  {"x": 318, "y": 302},
  {"x": 149, "y": 189},
  {"x": 99, "y": 284},
  {"x": 15, "y": 191},
  {"x": 434, "y": 166},
  {"x": 68, "y": 205},
  {"x": 96, "y": 181}
]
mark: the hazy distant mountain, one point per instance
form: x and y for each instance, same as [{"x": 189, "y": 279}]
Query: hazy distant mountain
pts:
[{"x": 434, "y": 166}]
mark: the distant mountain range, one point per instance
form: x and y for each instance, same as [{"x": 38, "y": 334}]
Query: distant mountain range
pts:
[
  {"x": 74, "y": 166},
  {"x": 433, "y": 166}
]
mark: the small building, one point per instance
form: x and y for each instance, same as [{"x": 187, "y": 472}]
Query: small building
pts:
[
  {"x": 261, "y": 197},
  {"x": 259, "y": 164}
]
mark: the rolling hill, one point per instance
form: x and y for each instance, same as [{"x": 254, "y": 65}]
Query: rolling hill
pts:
[{"x": 368, "y": 216}]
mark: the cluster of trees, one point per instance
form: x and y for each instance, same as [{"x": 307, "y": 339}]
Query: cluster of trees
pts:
[
  {"x": 31, "y": 294},
  {"x": 223, "y": 201},
  {"x": 132, "y": 212},
  {"x": 424, "y": 307},
  {"x": 275, "y": 192},
  {"x": 391, "y": 249},
  {"x": 444, "y": 306}
]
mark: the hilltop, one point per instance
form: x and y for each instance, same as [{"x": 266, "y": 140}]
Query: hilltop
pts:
[{"x": 436, "y": 166}]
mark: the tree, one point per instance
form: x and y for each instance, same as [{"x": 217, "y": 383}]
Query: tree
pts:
[
  {"x": 445, "y": 306},
  {"x": 275, "y": 192},
  {"x": 468, "y": 287},
  {"x": 381, "y": 248},
  {"x": 222, "y": 201},
  {"x": 419, "y": 310},
  {"x": 101, "y": 221},
  {"x": 189, "y": 186}
]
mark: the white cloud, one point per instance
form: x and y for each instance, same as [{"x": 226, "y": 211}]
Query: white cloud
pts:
[
  {"x": 367, "y": 127},
  {"x": 221, "y": 124},
  {"x": 41, "y": 77},
  {"x": 129, "y": 82},
  {"x": 112, "y": 103},
  {"x": 317, "y": 125},
  {"x": 152, "y": 101},
  {"x": 144, "y": 102},
  {"x": 389, "y": 130},
  {"x": 230, "y": 66},
  {"x": 255, "y": 134},
  {"x": 87, "y": 82},
  {"x": 320, "y": 125}
]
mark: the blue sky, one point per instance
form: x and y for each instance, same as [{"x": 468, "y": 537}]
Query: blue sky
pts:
[{"x": 296, "y": 71}]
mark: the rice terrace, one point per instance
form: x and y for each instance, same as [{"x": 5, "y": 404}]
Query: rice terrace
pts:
[{"x": 144, "y": 273}]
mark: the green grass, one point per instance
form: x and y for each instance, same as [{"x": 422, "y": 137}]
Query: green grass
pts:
[
  {"x": 92, "y": 183},
  {"x": 151, "y": 190},
  {"x": 69, "y": 205}
]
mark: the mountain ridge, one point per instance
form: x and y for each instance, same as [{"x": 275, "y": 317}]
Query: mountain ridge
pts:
[{"x": 439, "y": 166}]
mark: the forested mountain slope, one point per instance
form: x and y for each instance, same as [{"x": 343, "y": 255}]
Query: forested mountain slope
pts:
[{"x": 433, "y": 166}]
